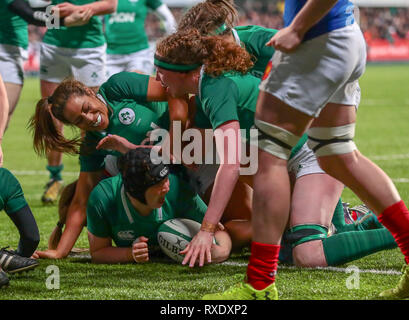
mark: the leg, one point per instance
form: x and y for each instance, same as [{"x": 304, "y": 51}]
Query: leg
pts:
[
  {"x": 370, "y": 183},
  {"x": 221, "y": 251},
  {"x": 13, "y": 95},
  {"x": 325, "y": 191},
  {"x": 54, "y": 158},
  {"x": 271, "y": 201},
  {"x": 356, "y": 171}
]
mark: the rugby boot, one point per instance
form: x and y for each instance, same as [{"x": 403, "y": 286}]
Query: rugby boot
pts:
[
  {"x": 11, "y": 262},
  {"x": 401, "y": 291},
  {"x": 244, "y": 291},
  {"x": 4, "y": 280},
  {"x": 52, "y": 190}
]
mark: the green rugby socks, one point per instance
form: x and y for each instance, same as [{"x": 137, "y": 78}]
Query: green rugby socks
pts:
[
  {"x": 347, "y": 246},
  {"x": 55, "y": 172}
]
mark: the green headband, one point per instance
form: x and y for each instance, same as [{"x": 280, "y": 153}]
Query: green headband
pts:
[
  {"x": 158, "y": 61},
  {"x": 219, "y": 30}
]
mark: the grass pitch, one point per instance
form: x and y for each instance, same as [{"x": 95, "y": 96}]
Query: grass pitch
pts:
[{"x": 382, "y": 135}]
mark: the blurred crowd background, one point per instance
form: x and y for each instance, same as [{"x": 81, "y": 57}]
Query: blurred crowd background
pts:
[{"x": 379, "y": 25}]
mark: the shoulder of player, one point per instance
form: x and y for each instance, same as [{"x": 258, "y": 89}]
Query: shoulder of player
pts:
[{"x": 107, "y": 189}]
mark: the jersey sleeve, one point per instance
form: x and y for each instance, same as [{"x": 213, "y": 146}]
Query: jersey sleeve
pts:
[
  {"x": 11, "y": 193},
  {"x": 219, "y": 98},
  {"x": 97, "y": 206},
  {"x": 126, "y": 85},
  {"x": 153, "y": 4}
]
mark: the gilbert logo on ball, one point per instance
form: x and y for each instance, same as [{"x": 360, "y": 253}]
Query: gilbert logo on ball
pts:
[
  {"x": 126, "y": 116},
  {"x": 175, "y": 234}
]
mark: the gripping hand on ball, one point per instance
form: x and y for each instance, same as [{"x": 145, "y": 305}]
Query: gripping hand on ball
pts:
[{"x": 140, "y": 250}]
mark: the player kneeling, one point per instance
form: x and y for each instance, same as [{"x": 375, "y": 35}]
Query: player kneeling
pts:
[{"x": 129, "y": 208}]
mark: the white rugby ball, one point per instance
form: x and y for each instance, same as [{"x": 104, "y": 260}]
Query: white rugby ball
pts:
[{"x": 175, "y": 234}]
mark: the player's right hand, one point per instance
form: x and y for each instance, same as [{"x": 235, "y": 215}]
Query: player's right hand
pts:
[
  {"x": 286, "y": 40},
  {"x": 78, "y": 18},
  {"x": 140, "y": 249}
]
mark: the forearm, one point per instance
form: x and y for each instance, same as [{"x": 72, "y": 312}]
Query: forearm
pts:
[
  {"x": 224, "y": 184},
  {"x": 111, "y": 255},
  {"x": 32, "y": 16},
  {"x": 312, "y": 12},
  {"x": 76, "y": 219}
]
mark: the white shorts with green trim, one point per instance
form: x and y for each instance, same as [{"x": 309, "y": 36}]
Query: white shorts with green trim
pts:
[
  {"x": 11, "y": 63},
  {"x": 84, "y": 64},
  {"x": 304, "y": 162},
  {"x": 140, "y": 60},
  {"x": 322, "y": 70}
]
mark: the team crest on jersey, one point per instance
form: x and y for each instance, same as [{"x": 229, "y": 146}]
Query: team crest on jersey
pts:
[
  {"x": 267, "y": 70},
  {"x": 126, "y": 116},
  {"x": 126, "y": 235}
]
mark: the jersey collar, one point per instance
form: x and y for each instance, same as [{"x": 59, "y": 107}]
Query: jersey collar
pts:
[{"x": 128, "y": 210}]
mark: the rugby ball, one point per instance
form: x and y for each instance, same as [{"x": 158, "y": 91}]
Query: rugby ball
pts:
[{"x": 175, "y": 234}]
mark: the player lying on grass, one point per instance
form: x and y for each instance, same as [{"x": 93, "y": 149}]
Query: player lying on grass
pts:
[
  {"x": 124, "y": 105},
  {"x": 129, "y": 208},
  {"x": 13, "y": 202},
  {"x": 227, "y": 101}
]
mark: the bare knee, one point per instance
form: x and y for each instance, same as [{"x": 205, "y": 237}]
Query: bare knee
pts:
[
  {"x": 336, "y": 165},
  {"x": 221, "y": 251},
  {"x": 309, "y": 255}
]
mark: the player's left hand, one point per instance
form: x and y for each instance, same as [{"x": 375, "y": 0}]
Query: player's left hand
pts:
[
  {"x": 198, "y": 249},
  {"x": 286, "y": 40},
  {"x": 65, "y": 9}
]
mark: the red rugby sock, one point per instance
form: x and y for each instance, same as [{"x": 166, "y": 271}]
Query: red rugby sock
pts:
[
  {"x": 396, "y": 219},
  {"x": 262, "y": 266}
]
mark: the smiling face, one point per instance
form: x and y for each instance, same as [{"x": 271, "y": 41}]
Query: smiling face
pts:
[
  {"x": 86, "y": 112},
  {"x": 155, "y": 195}
]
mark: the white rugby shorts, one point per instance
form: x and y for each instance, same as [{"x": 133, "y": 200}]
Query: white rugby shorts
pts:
[
  {"x": 322, "y": 70},
  {"x": 83, "y": 64},
  {"x": 140, "y": 60},
  {"x": 11, "y": 63}
]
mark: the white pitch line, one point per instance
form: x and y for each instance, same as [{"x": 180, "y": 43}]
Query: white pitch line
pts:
[
  {"x": 390, "y": 157},
  {"x": 41, "y": 173},
  {"x": 335, "y": 269}
]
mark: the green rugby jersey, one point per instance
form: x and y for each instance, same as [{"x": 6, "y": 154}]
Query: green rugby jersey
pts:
[
  {"x": 13, "y": 29},
  {"x": 125, "y": 29},
  {"x": 111, "y": 214},
  {"x": 130, "y": 116},
  {"x": 231, "y": 96},
  {"x": 254, "y": 39},
  {"x": 86, "y": 36},
  {"x": 11, "y": 195}
]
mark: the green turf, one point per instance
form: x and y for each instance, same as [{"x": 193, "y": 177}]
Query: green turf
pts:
[{"x": 382, "y": 130}]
